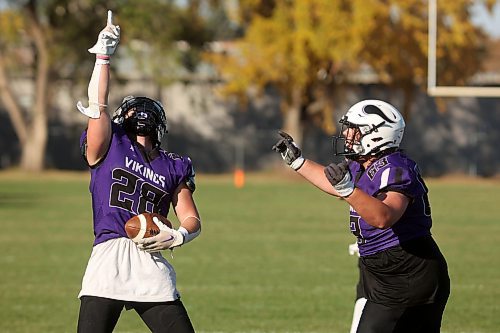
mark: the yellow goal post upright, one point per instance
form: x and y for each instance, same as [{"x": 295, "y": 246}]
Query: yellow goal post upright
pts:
[{"x": 433, "y": 89}]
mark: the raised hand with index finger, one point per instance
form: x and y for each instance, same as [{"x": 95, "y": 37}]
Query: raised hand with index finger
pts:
[
  {"x": 289, "y": 151},
  {"x": 108, "y": 38},
  {"x": 107, "y": 41}
]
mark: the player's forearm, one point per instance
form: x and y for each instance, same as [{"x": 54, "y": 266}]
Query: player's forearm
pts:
[
  {"x": 314, "y": 173},
  {"x": 191, "y": 223},
  {"x": 187, "y": 213},
  {"x": 98, "y": 89},
  {"x": 99, "y": 129},
  {"x": 190, "y": 227},
  {"x": 103, "y": 87}
]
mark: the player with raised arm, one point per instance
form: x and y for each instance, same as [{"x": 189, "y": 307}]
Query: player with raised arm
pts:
[
  {"x": 130, "y": 175},
  {"x": 403, "y": 274}
]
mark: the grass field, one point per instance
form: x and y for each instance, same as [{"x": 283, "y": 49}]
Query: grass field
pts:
[{"x": 272, "y": 256}]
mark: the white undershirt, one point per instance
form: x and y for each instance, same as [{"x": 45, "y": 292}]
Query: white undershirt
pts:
[{"x": 117, "y": 269}]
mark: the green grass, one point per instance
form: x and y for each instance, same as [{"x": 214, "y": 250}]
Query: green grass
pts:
[{"x": 272, "y": 256}]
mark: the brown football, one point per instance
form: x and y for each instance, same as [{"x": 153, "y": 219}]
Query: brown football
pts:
[{"x": 142, "y": 226}]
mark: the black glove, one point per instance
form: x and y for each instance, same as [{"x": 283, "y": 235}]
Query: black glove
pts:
[
  {"x": 340, "y": 177},
  {"x": 290, "y": 152}
]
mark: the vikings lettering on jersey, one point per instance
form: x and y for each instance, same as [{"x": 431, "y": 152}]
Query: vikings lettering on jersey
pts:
[
  {"x": 127, "y": 183},
  {"x": 394, "y": 172}
]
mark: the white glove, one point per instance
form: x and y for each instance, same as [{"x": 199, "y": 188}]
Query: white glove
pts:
[
  {"x": 108, "y": 38},
  {"x": 168, "y": 238},
  {"x": 340, "y": 177}
]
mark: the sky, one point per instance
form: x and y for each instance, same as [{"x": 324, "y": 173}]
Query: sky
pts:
[{"x": 489, "y": 21}]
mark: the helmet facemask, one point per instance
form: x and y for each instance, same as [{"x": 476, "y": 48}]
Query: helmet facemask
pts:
[
  {"x": 347, "y": 143},
  {"x": 142, "y": 116}
]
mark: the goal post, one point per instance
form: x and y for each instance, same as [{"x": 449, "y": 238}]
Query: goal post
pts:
[{"x": 433, "y": 89}]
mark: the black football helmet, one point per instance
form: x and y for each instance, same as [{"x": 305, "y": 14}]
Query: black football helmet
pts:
[{"x": 148, "y": 118}]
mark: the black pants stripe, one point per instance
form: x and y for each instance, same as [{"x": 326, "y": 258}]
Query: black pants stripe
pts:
[{"x": 100, "y": 315}]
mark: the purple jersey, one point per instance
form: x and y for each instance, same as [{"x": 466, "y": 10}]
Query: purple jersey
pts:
[
  {"x": 394, "y": 172},
  {"x": 127, "y": 183}
]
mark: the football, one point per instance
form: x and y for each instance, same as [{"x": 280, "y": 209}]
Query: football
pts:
[{"x": 142, "y": 226}]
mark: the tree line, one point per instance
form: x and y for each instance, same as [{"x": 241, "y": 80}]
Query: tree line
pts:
[{"x": 304, "y": 50}]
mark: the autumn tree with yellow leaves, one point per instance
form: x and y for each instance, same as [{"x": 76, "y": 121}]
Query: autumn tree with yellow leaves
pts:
[{"x": 309, "y": 49}]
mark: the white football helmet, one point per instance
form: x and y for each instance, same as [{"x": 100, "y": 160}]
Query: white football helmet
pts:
[{"x": 377, "y": 126}]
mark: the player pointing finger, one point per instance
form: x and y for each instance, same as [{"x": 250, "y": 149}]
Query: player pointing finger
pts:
[{"x": 404, "y": 276}]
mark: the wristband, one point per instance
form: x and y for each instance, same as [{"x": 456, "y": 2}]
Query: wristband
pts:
[
  {"x": 297, "y": 164},
  {"x": 102, "y": 62},
  {"x": 345, "y": 187},
  {"x": 189, "y": 236},
  {"x": 102, "y": 59}
]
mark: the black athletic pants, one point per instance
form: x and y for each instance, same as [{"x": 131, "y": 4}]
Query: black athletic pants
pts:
[
  {"x": 100, "y": 315},
  {"x": 378, "y": 318},
  {"x": 407, "y": 288}
]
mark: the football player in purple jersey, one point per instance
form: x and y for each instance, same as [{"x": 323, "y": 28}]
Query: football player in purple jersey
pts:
[
  {"x": 131, "y": 174},
  {"x": 403, "y": 274}
]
